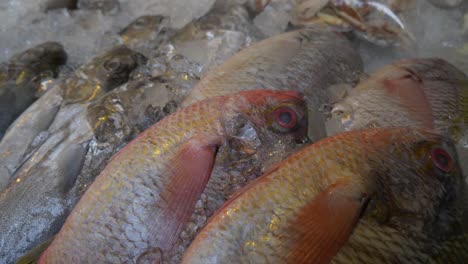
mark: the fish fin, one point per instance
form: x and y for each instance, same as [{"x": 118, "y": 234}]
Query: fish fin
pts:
[
  {"x": 409, "y": 88},
  {"x": 32, "y": 256},
  {"x": 192, "y": 166},
  {"x": 323, "y": 226},
  {"x": 70, "y": 163}
]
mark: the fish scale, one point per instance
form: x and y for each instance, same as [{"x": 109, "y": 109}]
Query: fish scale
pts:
[
  {"x": 114, "y": 222},
  {"x": 389, "y": 230},
  {"x": 112, "y": 185},
  {"x": 423, "y": 92}
]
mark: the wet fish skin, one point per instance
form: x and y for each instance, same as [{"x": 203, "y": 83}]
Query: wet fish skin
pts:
[
  {"x": 308, "y": 60},
  {"x": 99, "y": 128},
  {"x": 424, "y": 92},
  {"x": 21, "y": 77},
  {"x": 124, "y": 225},
  {"x": 37, "y": 201},
  {"x": 411, "y": 207},
  {"x": 103, "y": 73},
  {"x": 99, "y": 75},
  {"x": 115, "y": 119}
]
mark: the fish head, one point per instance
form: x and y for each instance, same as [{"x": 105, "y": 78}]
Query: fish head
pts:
[
  {"x": 424, "y": 93},
  {"x": 144, "y": 28},
  {"x": 37, "y": 64},
  {"x": 102, "y": 74},
  {"x": 419, "y": 177},
  {"x": 269, "y": 124},
  {"x": 392, "y": 96},
  {"x": 115, "y": 66},
  {"x": 46, "y": 55},
  {"x": 280, "y": 112}
]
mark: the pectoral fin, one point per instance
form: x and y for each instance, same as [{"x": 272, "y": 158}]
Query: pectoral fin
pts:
[
  {"x": 323, "y": 226},
  {"x": 409, "y": 89},
  {"x": 191, "y": 168}
]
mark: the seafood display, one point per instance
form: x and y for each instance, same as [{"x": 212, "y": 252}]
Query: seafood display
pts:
[{"x": 233, "y": 131}]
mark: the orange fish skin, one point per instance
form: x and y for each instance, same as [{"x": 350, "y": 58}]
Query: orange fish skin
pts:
[
  {"x": 137, "y": 206},
  {"x": 423, "y": 92},
  {"x": 390, "y": 166}
]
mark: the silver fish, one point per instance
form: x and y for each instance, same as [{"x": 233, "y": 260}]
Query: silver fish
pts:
[
  {"x": 101, "y": 74},
  {"x": 21, "y": 78}
]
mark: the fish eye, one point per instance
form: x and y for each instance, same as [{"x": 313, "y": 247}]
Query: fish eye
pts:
[
  {"x": 442, "y": 159},
  {"x": 286, "y": 117},
  {"x": 140, "y": 22},
  {"x": 112, "y": 65}
]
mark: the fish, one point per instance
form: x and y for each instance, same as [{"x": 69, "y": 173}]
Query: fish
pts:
[
  {"x": 424, "y": 92},
  {"x": 78, "y": 145},
  {"x": 227, "y": 16},
  {"x": 21, "y": 78},
  {"x": 91, "y": 80},
  {"x": 137, "y": 207},
  {"x": 380, "y": 195},
  {"x": 308, "y": 60},
  {"x": 211, "y": 39},
  {"x": 146, "y": 33},
  {"x": 201, "y": 45},
  {"x": 35, "y": 204},
  {"x": 103, "y": 73},
  {"x": 110, "y": 122}
]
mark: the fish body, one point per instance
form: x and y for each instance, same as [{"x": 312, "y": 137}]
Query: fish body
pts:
[
  {"x": 139, "y": 204},
  {"x": 308, "y": 60},
  {"x": 386, "y": 195},
  {"x": 93, "y": 79},
  {"x": 76, "y": 148},
  {"x": 36, "y": 202},
  {"x": 21, "y": 78},
  {"x": 427, "y": 92}
]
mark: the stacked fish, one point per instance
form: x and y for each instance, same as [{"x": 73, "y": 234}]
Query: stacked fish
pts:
[{"x": 154, "y": 153}]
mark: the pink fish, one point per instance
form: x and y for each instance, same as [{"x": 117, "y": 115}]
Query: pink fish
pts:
[{"x": 139, "y": 204}]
